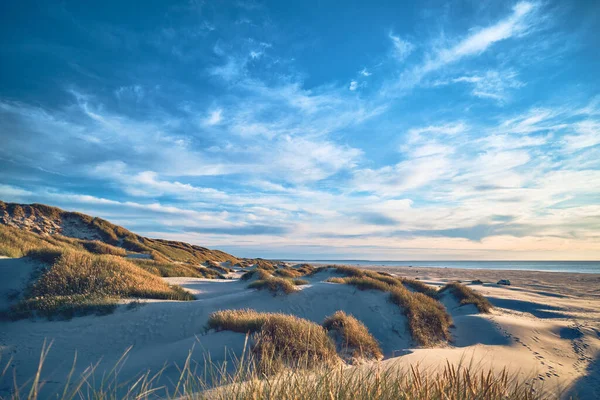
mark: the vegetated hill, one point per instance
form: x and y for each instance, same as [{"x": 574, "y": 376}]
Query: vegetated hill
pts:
[{"x": 43, "y": 219}]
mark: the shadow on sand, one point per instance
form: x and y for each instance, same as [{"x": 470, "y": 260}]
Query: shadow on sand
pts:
[
  {"x": 588, "y": 386},
  {"x": 537, "y": 309}
]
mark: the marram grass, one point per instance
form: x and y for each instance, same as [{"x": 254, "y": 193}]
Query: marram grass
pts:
[{"x": 376, "y": 381}]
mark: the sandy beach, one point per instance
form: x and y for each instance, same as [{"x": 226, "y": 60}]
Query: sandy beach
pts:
[{"x": 544, "y": 328}]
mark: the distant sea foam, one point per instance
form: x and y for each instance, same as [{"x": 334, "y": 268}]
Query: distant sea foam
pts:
[{"x": 586, "y": 267}]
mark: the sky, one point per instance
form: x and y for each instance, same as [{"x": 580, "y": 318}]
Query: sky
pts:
[{"x": 379, "y": 130}]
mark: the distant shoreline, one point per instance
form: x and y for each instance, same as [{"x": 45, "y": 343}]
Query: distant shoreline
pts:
[{"x": 579, "y": 267}]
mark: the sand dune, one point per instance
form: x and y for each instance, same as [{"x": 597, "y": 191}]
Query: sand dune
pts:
[{"x": 550, "y": 336}]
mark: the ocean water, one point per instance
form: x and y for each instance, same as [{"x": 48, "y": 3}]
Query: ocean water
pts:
[{"x": 586, "y": 267}]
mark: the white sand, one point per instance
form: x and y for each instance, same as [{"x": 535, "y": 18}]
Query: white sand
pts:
[{"x": 553, "y": 339}]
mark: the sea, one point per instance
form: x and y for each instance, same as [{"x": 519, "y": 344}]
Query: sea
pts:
[{"x": 585, "y": 267}]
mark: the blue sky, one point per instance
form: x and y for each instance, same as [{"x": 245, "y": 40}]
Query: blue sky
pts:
[{"x": 372, "y": 130}]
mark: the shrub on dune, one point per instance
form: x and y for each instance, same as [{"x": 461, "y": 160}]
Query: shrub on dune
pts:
[
  {"x": 352, "y": 337},
  {"x": 299, "y": 282},
  {"x": 466, "y": 295}
]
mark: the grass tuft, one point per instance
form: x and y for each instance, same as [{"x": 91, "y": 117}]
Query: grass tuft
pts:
[
  {"x": 79, "y": 283},
  {"x": 466, "y": 295},
  {"x": 353, "y": 339},
  {"x": 274, "y": 285},
  {"x": 428, "y": 321}
]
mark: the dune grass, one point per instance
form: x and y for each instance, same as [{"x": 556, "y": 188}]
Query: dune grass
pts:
[
  {"x": 274, "y": 285},
  {"x": 352, "y": 337},
  {"x": 428, "y": 320},
  {"x": 420, "y": 287},
  {"x": 288, "y": 273},
  {"x": 247, "y": 381},
  {"x": 300, "y": 282},
  {"x": 80, "y": 283},
  {"x": 172, "y": 270},
  {"x": 466, "y": 295},
  {"x": 280, "y": 341},
  {"x": 241, "y": 321},
  {"x": 256, "y": 273},
  {"x": 98, "y": 247}
]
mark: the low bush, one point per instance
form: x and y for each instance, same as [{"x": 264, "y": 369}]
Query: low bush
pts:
[
  {"x": 300, "y": 282},
  {"x": 353, "y": 339},
  {"x": 466, "y": 295}
]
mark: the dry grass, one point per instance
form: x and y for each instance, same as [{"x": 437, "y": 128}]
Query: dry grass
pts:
[
  {"x": 79, "y": 283},
  {"x": 363, "y": 283},
  {"x": 241, "y": 321},
  {"x": 466, "y": 295},
  {"x": 420, "y": 287},
  {"x": 428, "y": 321},
  {"x": 97, "y": 247},
  {"x": 286, "y": 341},
  {"x": 257, "y": 273},
  {"x": 352, "y": 337},
  {"x": 300, "y": 282},
  {"x": 462, "y": 382},
  {"x": 172, "y": 270},
  {"x": 274, "y": 285},
  {"x": 288, "y": 273},
  {"x": 280, "y": 340}
]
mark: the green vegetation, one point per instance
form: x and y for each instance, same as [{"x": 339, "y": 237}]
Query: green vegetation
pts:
[
  {"x": 466, "y": 295},
  {"x": 352, "y": 337}
]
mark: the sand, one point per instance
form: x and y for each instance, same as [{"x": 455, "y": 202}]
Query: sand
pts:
[{"x": 545, "y": 326}]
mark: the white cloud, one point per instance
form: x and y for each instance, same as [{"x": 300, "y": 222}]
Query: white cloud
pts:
[
  {"x": 479, "y": 41},
  {"x": 588, "y": 135},
  {"x": 214, "y": 117},
  {"x": 365, "y": 72},
  {"x": 402, "y": 48},
  {"x": 353, "y": 85}
]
